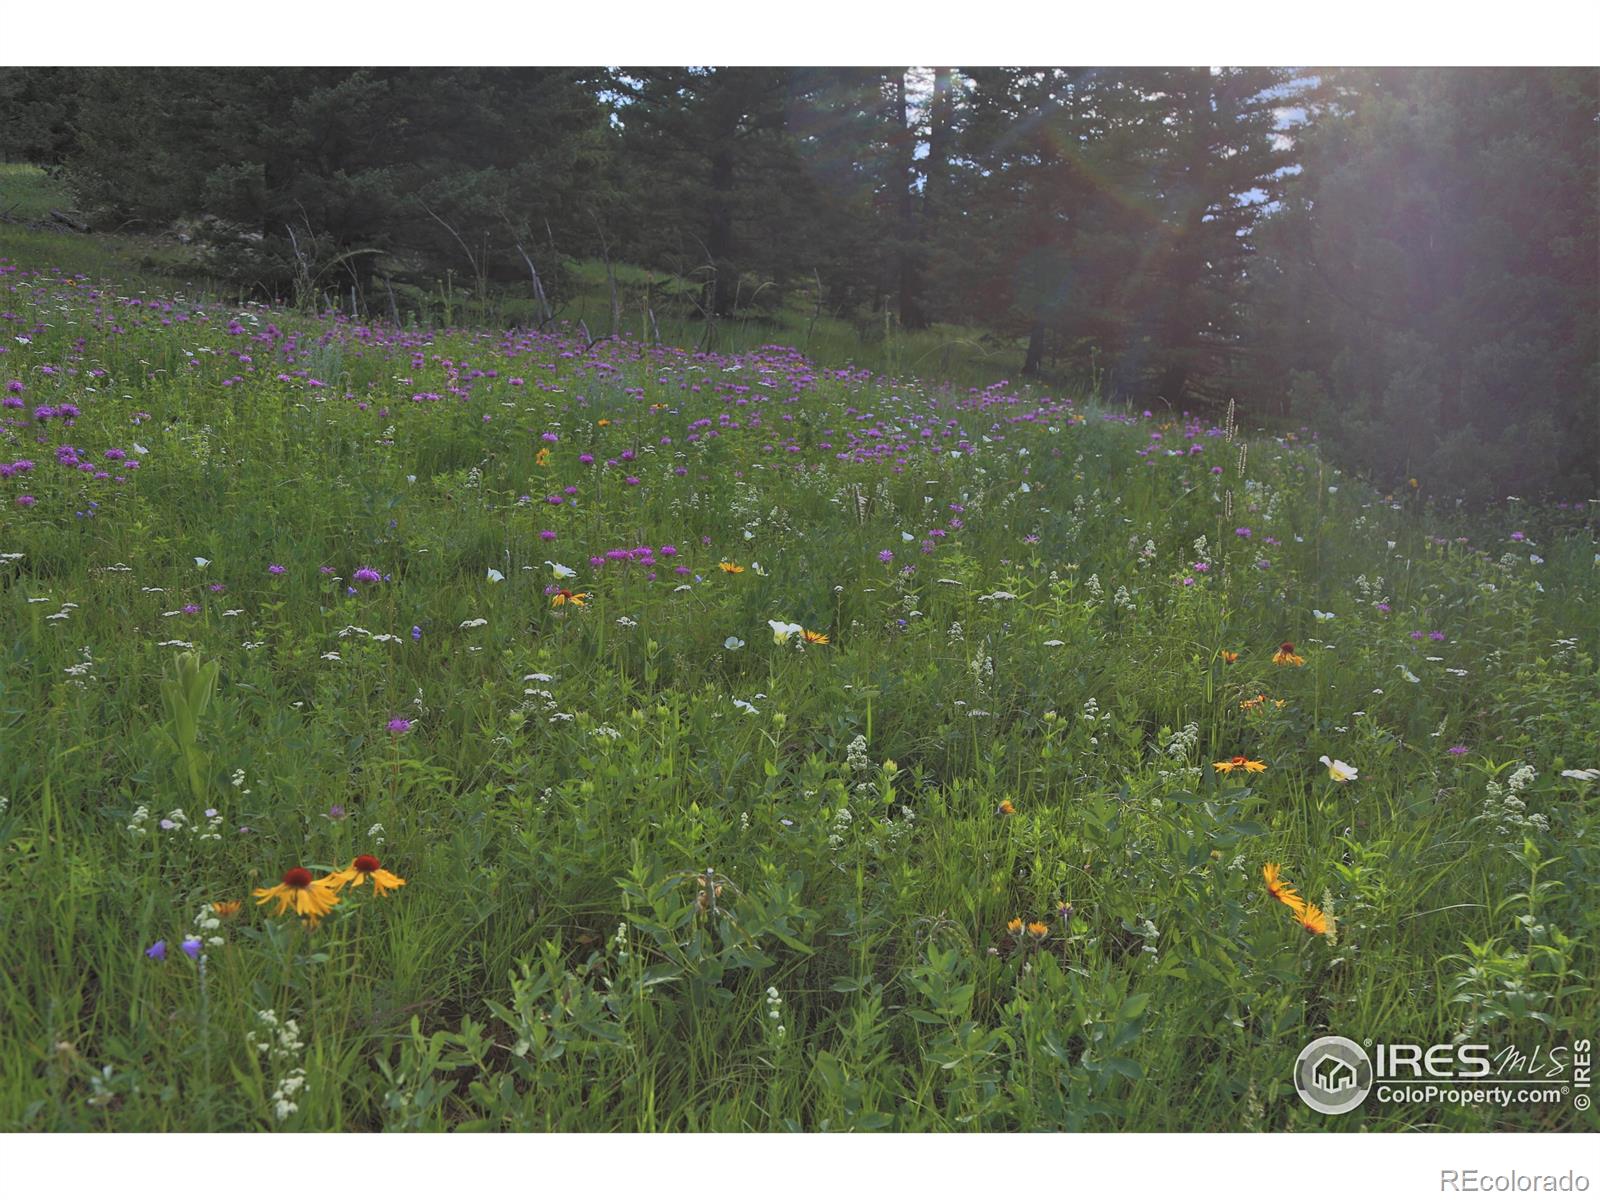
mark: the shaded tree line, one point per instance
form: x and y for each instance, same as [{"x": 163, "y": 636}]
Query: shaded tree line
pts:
[{"x": 1405, "y": 259}]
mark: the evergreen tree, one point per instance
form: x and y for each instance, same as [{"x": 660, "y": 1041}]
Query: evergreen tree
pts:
[
  {"x": 1214, "y": 168},
  {"x": 1431, "y": 289}
]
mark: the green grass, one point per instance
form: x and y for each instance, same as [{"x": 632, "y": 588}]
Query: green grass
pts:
[
  {"x": 557, "y": 958},
  {"x": 141, "y": 261},
  {"x": 27, "y": 193}
]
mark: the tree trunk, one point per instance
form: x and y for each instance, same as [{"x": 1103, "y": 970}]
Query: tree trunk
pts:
[
  {"x": 1174, "y": 379},
  {"x": 939, "y": 122},
  {"x": 719, "y": 240},
  {"x": 1030, "y": 364},
  {"x": 911, "y": 315}
]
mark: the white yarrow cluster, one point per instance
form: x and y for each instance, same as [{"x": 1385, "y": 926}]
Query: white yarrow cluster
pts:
[
  {"x": 841, "y": 828},
  {"x": 1182, "y": 743},
  {"x": 280, "y": 1041},
  {"x": 206, "y": 925},
  {"x": 1507, "y": 809}
]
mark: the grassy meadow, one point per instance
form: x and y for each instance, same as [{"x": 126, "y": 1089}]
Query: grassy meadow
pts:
[{"x": 763, "y": 742}]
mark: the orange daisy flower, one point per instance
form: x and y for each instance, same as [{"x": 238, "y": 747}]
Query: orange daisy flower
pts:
[
  {"x": 1006, "y": 808},
  {"x": 732, "y": 568},
  {"x": 362, "y": 868},
  {"x": 226, "y": 908},
  {"x": 1286, "y": 657},
  {"x": 1038, "y": 929},
  {"x": 1313, "y": 920},
  {"x": 816, "y": 639},
  {"x": 568, "y": 596},
  {"x": 1230, "y": 656},
  {"x": 1281, "y": 889},
  {"x": 1014, "y": 925},
  {"x": 1240, "y": 763},
  {"x": 312, "y": 898}
]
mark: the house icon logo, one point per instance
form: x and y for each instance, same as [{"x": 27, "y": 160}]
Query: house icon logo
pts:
[{"x": 1333, "y": 1075}]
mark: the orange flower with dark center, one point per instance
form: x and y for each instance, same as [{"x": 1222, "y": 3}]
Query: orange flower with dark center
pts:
[
  {"x": 816, "y": 639},
  {"x": 568, "y": 596},
  {"x": 312, "y": 898},
  {"x": 1239, "y": 763},
  {"x": 1281, "y": 889},
  {"x": 365, "y": 867},
  {"x": 1286, "y": 657},
  {"x": 1230, "y": 656},
  {"x": 1006, "y": 808},
  {"x": 1313, "y": 920},
  {"x": 731, "y": 568}
]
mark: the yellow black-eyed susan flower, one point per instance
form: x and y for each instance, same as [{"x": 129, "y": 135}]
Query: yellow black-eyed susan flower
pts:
[
  {"x": 365, "y": 867},
  {"x": 1281, "y": 889},
  {"x": 1239, "y": 763},
  {"x": 312, "y": 898},
  {"x": 1313, "y": 920}
]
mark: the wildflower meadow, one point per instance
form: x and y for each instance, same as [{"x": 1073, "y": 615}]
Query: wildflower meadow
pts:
[{"x": 411, "y": 728}]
